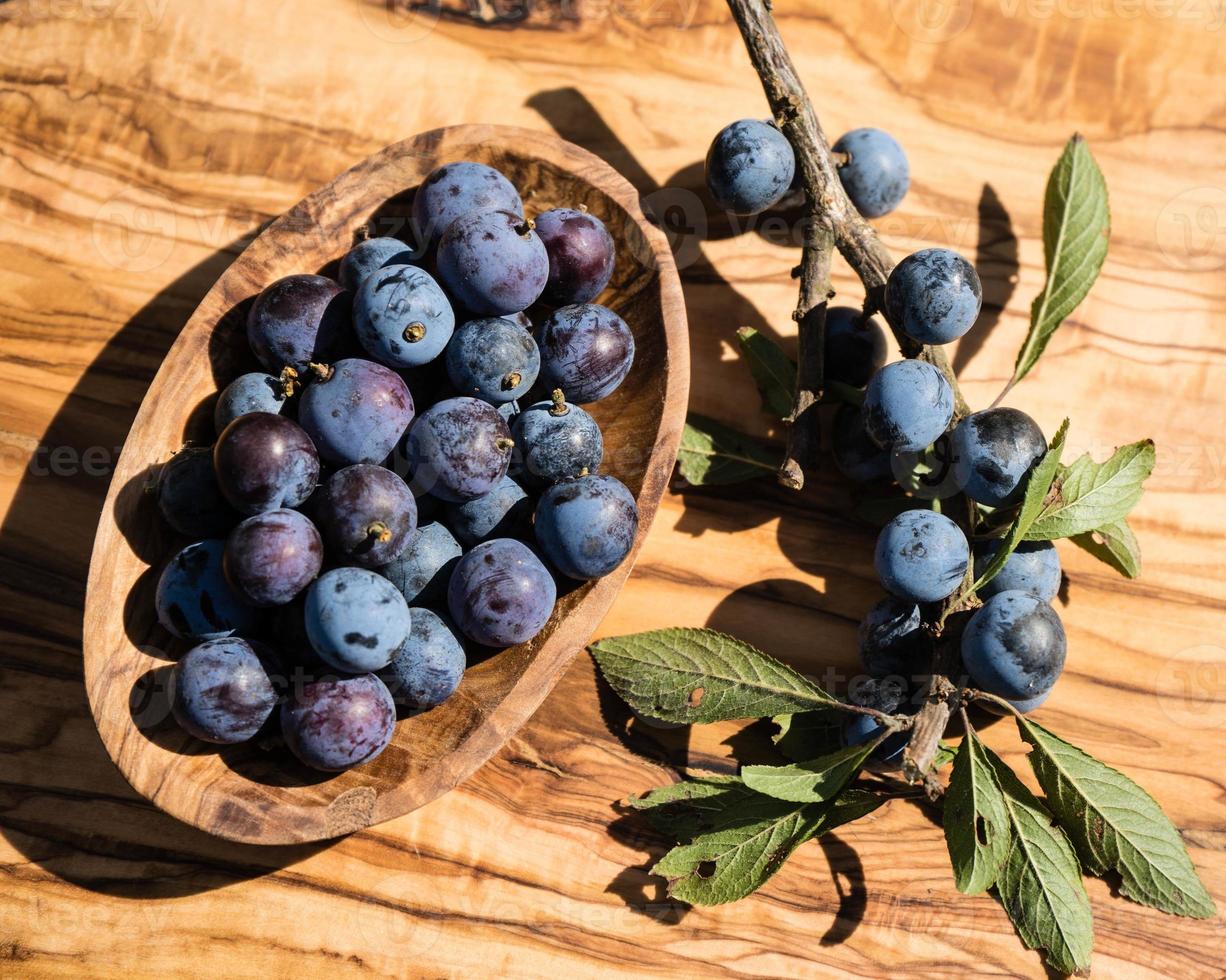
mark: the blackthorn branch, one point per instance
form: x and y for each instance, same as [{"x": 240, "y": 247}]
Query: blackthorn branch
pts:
[{"x": 832, "y": 221}]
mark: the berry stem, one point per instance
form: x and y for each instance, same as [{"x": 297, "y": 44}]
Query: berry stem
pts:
[
  {"x": 559, "y": 403},
  {"x": 415, "y": 331},
  {"x": 289, "y": 381},
  {"x": 379, "y": 531}
]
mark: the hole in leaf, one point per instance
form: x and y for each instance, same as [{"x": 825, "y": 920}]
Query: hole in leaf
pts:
[
  {"x": 696, "y": 696},
  {"x": 705, "y": 869},
  {"x": 983, "y": 831}
]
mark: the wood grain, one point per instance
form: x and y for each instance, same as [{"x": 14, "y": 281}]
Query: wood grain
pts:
[
  {"x": 255, "y": 793},
  {"x": 138, "y": 156}
]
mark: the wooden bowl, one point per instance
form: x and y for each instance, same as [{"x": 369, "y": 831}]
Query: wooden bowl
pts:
[{"x": 249, "y": 792}]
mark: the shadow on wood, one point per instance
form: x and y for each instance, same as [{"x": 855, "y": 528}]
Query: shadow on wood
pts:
[
  {"x": 996, "y": 261},
  {"x": 56, "y": 790}
]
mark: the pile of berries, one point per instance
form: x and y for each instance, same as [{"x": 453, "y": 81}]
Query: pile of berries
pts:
[
  {"x": 903, "y": 430},
  {"x": 410, "y": 474}
]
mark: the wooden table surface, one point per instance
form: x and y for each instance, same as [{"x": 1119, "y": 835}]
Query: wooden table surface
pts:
[{"x": 142, "y": 142}]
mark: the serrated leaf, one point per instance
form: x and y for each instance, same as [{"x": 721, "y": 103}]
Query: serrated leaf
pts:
[
  {"x": 1076, "y": 227},
  {"x": 809, "y": 782},
  {"x": 809, "y": 734},
  {"x": 773, "y": 371},
  {"x": 977, "y": 829},
  {"x": 1039, "y": 883},
  {"x": 1114, "y": 544},
  {"x": 712, "y": 454},
  {"x": 1088, "y": 495},
  {"x": 1038, "y": 486},
  {"x": 750, "y": 843},
  {"x": 1116, "y": 826},
  {"x": 689, "y": 807},
  {"x": 695, "y": 676}
]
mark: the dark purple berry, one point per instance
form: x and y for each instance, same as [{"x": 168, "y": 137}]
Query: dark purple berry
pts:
[
  {"x": 355, "y": 619},
  {"x": 750, "y": 166},
  {"x": 298, "y": 320},
  {"x": 273, "y": 556},
  {"x": 189, "y": 497},
  {"x": 367, "y": 514},
  {"x": 455, "y": 189},
  {"x": 856, "y": 346},
  {"x": 492, "y": 359},
  {"x": 855, "y": 454},
  {"x": 264, "y": 462},
  {"x": 500, "y": 594},
  {"x": 556, "y": 441},
  {"x": 504, "y": 512},
  {"x": 371, "y": 255},
  {"x": 581, "y": 254},
  {"x": 254, "y": 392},
  {"x": 458, "y": 449},
  {"x": 221, "y": 691},
  {"x": 422, "y": 572},
  {"x": 339, "y": 722},
  {"x": 586, "y": 350},
  {"x": 402, "y": 317},
  {"x": 356, "y": 412},
  {"x": 492, "y": 262}
]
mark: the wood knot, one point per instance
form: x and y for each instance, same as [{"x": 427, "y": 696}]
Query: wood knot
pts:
[{"x": 352, "y": 810}]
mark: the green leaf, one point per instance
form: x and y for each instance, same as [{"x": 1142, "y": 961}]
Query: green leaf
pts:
[
  {"x": 1038, "y": 486},
  {"x": 1114, "y": 544},
  {"x": 1116, "y": 826},
  {"x": 809, "y": 734},
  {"x": 689, "y": 807},
  {"x": 773, "y": 371},
  {"x": 1039, "y": 883},
  {"x": 945, "y": 754},
  {"x": 712, "y": 454},
  {"x": 1090, "y": 495},
  {"x": 1076, "y": 226},
  {"x": 977, "y": 829},
  {"x": 750, "y": 842},
  {"x": 841, "y": 393},
  {"x": 809, "y": 782},
  {"x": 695, "y": 676}
]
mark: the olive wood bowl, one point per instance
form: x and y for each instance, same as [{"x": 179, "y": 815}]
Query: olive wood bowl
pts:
[{"x": 258, "y": 793}]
